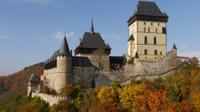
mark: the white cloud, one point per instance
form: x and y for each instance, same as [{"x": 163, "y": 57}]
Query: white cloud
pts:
[
  {"x": 190, "y": 54},
  {"x": 4, "y": 36},
  {"x": 112, "y": 35},
  {"x": 60, "y": 35},
  {"x": 41, "y": 2}
]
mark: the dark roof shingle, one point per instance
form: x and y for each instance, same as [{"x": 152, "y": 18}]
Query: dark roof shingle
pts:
[
  {"x": 81, "y": 62},
  {"x": 92, "y": 40},
  {"x": 149, "y": 9}
]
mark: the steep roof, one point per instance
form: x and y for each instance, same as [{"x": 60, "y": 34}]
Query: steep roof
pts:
[
  {"x": 34, "y": 78},
  {"x": 81, "y": 62},
  {"x": 131, "y": 38},
  {"x": 148, "y": 10},
  {"x": 174, "y": 46},
  {"x": 92, "y": 40},
  {"x": 64, "y": 49}
]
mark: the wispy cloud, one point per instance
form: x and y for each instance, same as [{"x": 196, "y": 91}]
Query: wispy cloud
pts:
[
  {"x": 4, "y": 36},
  {"x": 114, "y": 35},
  {"x": 41, "y": 2},
  {"x": 60, "y": 35},
  {"x": 190, "y": 53}
]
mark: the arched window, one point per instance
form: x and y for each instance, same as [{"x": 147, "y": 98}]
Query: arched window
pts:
[
  {"x": 155, "y": 41},
  {"x": 145, "y": 40},
  {"x": 160, "y": 53},
  {"x": 149, "y": 30},
  {"x": 155, "y": 52},
  {"x": 144, "y": 29},
  {"x": 145, "y": 51}
]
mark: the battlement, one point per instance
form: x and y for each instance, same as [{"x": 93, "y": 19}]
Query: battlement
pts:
[{"x": 141, "y": 68}]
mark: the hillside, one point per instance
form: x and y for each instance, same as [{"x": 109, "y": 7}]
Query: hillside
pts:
[
  {"x": 15, "y": 84},
  {"x": 178, "y": 92}
]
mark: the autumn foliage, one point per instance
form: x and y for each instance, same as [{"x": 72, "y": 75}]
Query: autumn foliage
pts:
[{"x": 179, "y": 92}]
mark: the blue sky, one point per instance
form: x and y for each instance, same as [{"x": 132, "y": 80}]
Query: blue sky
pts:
[{"x": 30, "y": 30}]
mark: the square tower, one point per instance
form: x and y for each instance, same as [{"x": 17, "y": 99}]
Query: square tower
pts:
[{"x": 147, "y": 31}]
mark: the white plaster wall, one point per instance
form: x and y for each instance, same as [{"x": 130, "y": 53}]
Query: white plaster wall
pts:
[{"x": 137, "y": 30}]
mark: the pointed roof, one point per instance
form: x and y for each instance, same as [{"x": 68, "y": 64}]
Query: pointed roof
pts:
[
  {"x": 136, "y": 55},
  {"x": 148, "y": 8},
  {"x": 92, "y": 39},
  {"x": 64, "y": 49},
  {"x": 92, "y": 27},
  {"x": 34, "y": 78},
  {"x": 174, "y": 46},
  {"x": 131, "y": 38},
  {"x": 148, "y": 11}
]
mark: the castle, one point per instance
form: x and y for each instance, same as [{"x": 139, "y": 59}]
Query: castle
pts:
[{"x": 93, "y": 66}]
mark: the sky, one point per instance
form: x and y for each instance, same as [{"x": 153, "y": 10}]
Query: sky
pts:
[{"x": 31, "y": 30}]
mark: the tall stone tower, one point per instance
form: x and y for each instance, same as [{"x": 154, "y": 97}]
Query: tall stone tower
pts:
[
  {"x": 64, "y": 66},
  {"x": 58, "y": 68},
  {"x": 147, "y": 31}
]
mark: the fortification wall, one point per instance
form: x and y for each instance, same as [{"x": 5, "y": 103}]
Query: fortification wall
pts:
[
  {"x": 142, "y": 69},
  {"x": 100, "y": 61},
  {"x": 84, "y": 76},
  {"x": 51, "y": 99}
]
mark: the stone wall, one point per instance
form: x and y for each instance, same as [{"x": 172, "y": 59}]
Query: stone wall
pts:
[
  {"x": 51, "y": 99},
  {"x": 84, "y": 76},
  {"x": 142, "y": 69},
  {"x": 57, "y": 78}
]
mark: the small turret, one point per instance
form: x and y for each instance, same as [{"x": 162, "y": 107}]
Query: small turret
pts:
[
  {"x": 33, "y": 84},
  {"x": 64, "y": 49},
  {"x": 174, "y": 47},
  {"x": 131, "y": 50}
]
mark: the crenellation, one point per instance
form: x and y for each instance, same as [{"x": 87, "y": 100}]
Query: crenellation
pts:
[{"x": 147, "y": 57}]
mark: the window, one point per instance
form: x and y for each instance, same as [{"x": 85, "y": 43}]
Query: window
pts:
[
  {"x": 156, "y": 30},
  {"x": 144, "y": 23},
  {"x": 145, "y": 51},
  {"x": 151, "y": 23},
  {"x": 158, "y": 24},
  {"x": 145, "y": 40},
  {"x": 148, "y": 29},
  {"x": 164, "y": 30},
  {"x": 155, "y": 41},
  {"x": 155, "y": 52},
  {"x": 160, "y": 53},
  {"x": 144, "y": 29}
]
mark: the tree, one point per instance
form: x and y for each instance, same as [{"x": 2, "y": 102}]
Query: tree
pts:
[{"x": 34, "y": 105}]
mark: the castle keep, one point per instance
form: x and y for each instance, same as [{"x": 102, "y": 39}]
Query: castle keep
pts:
[{"x": 92, "y": 65}]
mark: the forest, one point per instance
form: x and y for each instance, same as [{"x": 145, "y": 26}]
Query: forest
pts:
[{"x": 179, "y": 92}]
